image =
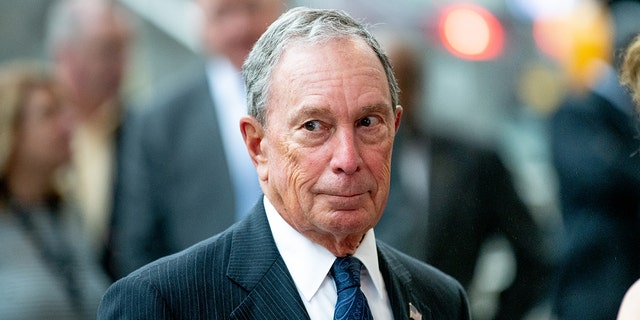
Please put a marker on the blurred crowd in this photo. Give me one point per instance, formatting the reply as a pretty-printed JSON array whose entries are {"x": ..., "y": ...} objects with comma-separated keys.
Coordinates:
[{"x": 95, "y": 183}]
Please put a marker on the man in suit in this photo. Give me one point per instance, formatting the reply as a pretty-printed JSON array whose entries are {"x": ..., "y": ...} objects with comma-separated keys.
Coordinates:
[
  {"x": 89, "y": 44},
  {"x": 323, "y": 112},
  {"x": 449, "y": 197},
  {"x": 594, "y": 143},
  {"x": 186, "y": 177}
]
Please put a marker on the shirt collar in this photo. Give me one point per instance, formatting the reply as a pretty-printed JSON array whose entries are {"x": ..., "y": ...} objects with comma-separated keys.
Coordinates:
[
  {"x": 309, "y": 263},
  {"x": 224, "y": 79}
]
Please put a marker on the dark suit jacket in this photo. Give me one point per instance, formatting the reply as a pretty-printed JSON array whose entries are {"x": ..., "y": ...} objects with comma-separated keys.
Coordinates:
[
  {"x": 595, "y": 153},
  {"x": 121, "y": 135},
  {"x": 175, "y": 187},
  {"x": 471, "y": 199},
  {"x": 239, "y": 274}
]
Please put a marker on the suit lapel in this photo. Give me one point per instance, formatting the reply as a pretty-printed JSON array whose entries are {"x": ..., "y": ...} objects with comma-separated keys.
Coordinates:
[
  {"x": 256, "y": 265},
  {"x": 399, "y": 287}
]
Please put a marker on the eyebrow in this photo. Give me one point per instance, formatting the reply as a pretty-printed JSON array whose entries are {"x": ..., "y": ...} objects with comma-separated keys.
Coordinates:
[
  {"x": 308, "y": 111},
  {"x": 380, "y": 107}
]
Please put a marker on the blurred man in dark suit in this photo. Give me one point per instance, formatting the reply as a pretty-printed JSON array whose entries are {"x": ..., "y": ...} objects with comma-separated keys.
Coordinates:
[
  {"x": 594, "y": 145},
  {"x": 89, "y": 43},
  {"x": 449, "y": 197},
  {"x": 186, "y": 177}
]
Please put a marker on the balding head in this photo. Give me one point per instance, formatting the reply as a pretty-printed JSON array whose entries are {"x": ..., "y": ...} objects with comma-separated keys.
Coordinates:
[
  {"x": 88, "y": 41},
  {"x": 231, "y": 27}
]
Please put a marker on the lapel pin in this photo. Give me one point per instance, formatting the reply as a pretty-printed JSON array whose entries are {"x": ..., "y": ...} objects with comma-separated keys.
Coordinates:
[{"x": 414, "y": 314}]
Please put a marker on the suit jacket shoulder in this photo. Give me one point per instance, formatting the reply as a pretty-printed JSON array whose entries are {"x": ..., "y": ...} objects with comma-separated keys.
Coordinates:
[
  {"x": 237, "y": 274},
  {"x": 411, "y": 282}
]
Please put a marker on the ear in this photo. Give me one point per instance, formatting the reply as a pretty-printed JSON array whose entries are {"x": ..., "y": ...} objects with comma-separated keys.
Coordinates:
[
  {"x": 398, "y": 116},
  {"x": 253, "y": 134}
]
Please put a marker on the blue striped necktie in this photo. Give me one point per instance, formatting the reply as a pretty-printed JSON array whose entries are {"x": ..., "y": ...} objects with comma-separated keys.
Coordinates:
[{"x": 352, "y": 304}]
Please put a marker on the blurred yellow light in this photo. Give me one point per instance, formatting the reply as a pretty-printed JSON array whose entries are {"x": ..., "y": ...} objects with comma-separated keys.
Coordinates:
[
  {"x": 579, "y": 41},
  {"x": 540, "y": 87}
]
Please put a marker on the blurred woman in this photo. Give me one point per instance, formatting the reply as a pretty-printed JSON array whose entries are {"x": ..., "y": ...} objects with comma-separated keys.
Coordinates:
[
  {"x": 44, "y": 271},
  {"x": 630, "y": 70}
]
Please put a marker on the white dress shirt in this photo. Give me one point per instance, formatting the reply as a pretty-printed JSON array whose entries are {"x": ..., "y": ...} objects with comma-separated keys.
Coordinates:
[
  {"x": 229, "y": 97},
  {"x": 309, "y": 264}
]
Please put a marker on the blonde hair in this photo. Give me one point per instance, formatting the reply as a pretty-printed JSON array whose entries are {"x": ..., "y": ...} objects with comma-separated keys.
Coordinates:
[
  {"x": 630, "y": 70},
  {"x": 17, "y": 80}
]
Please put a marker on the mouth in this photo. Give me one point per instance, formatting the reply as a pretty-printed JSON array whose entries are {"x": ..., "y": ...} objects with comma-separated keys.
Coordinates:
[
  {"x": 346, "y": 201},
  {"x": 345, "y": 195}
]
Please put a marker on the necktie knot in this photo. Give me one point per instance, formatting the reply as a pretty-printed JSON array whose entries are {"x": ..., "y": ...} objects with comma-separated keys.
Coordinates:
[{"x": 346, "y": 272}]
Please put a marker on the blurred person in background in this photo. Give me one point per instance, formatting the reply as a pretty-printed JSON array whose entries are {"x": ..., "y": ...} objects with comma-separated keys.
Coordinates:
[
  {"x": 630, "y": 77},
  {"x": 449, "y": 197},
  {"x": 595, "y": 153},
  {"x": 187, "y": 174},
  {"x": 630, "y": 70},
  {"x": 47, "y": 269},
  {"x": 88, "y": 41}
]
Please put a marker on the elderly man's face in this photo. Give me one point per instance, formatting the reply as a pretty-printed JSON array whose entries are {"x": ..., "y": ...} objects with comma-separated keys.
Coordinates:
[{"x": 326, "y": 151}]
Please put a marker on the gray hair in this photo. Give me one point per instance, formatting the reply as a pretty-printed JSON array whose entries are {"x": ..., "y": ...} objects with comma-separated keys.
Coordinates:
[
  {"x": 66, "y": 20},
  {"x": 305, "y": 25}
]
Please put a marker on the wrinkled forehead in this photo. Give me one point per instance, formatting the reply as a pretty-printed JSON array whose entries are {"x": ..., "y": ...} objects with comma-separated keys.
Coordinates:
[
  {"x": 345, "y": 48},
  {"x": 338, "y": 65}
]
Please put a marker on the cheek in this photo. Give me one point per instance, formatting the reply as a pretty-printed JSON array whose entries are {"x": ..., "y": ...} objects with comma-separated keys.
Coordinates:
[
  {"x": 36, "y": 144},
  {"x": 379, "y": 164},
  {"x": 289, "y": 166},
  {"x": 47, "y": 137},
  {"x": 297, "y": 170},
  {"x": 379, "y": 160},
  {"x": 383, "y": 177}
]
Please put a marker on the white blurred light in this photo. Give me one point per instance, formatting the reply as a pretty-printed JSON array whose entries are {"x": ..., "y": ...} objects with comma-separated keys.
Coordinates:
[{"x": 534, "y": 9}]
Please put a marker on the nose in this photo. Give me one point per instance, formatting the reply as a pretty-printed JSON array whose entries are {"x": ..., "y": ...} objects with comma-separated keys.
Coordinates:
[{"x": 346, "y": 153}]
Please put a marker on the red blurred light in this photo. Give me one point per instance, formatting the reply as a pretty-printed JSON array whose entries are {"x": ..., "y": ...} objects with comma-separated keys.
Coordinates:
[{"x": 470, "y": 32}]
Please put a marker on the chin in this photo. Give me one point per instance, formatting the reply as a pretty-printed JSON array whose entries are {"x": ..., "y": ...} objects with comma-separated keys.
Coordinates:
[{"x": 351, "y": 221}]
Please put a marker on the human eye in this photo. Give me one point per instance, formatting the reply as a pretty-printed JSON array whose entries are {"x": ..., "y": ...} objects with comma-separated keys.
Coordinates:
[
  {"x": 312, "y": 125},
  {"x": 312, "y": 133},
  {"x": 368, "y": 121},
  {"x": 371, "y": 128}
]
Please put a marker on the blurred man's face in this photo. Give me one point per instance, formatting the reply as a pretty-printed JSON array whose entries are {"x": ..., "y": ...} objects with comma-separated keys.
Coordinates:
[
  {"x": 231, "y": 27},
  {"x": 96, "y": 61},
  {"x": 328, "y": 138},
  {"x": 105, "y": 56}
]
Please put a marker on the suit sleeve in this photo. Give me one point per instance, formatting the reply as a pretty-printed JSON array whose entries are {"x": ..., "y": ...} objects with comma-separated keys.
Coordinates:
[
  {"x": 465, "y": 313},
  {"x": 133, "y": 298}
]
